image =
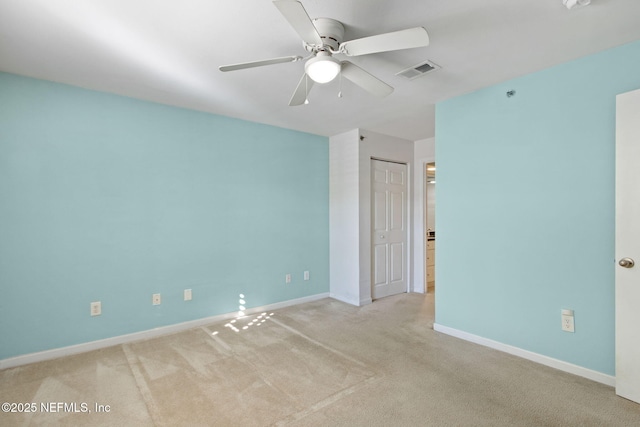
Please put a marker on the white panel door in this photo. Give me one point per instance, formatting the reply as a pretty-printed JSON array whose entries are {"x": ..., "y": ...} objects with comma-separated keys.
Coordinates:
[
  {"x": 388, "y": 228},
  {"x": 628, "y": 245}
]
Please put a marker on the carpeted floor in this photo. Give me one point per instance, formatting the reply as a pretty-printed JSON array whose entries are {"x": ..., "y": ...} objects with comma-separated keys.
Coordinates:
[{"x": 324, "y": 363}]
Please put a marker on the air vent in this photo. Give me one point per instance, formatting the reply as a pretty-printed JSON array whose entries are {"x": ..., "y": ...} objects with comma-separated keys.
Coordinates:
[{"x": 418, "y": 70}]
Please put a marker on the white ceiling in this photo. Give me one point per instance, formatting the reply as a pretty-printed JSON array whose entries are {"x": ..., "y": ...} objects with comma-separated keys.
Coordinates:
[{"x": 169, "y": 51}]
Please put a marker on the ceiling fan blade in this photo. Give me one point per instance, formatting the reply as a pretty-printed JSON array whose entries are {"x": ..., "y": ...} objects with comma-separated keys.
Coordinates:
[
  {"x": 302, "y": 90},
  {"x": 294, "y": 12},
  {"x": 254, "y": 64},
  {"x": 365, "y": 80},
  {"x": 397, "y": 40}
]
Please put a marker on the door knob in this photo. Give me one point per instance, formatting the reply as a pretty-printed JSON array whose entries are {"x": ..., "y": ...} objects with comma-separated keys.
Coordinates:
[{"x": 626, "y": 262}]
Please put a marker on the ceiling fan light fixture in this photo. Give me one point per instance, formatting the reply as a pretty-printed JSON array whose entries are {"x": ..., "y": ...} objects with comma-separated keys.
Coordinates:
[
  {"x": 323, "y": 68},
  {"x": 570, "y": 4}
]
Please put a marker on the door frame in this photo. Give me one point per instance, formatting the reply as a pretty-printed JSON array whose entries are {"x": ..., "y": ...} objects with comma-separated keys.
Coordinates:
[
  {"x": 420, "y": 224},
  {"x": 425, "y": 221},
  {"x": 408, "y": 227}
]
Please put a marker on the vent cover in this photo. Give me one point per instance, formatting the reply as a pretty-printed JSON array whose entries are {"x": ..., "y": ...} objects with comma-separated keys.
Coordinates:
[{"x": 418, "y": 70}]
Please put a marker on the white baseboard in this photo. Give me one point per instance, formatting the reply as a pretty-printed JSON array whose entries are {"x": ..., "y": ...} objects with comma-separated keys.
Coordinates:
[
  {"x": 529, "y": 355},
  {"x": 353, "y": 300},
  {"x": 40, "y": 356},
  {"x": 344, "y": 298}
]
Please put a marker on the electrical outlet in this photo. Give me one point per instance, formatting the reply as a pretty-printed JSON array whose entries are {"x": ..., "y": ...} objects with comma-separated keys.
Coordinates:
[
  {"x": 187, "y": 295},
  {"x": 287, "y": 278},
  {"x": 156, "y": 299},
  {"x": 568, "y": 321},
  {"x": 306, "y": 275},
  {"x": 96, "y": 308}
]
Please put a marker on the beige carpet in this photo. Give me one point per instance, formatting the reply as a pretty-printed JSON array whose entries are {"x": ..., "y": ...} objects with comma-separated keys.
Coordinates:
[{"x": 324, "y": 363}]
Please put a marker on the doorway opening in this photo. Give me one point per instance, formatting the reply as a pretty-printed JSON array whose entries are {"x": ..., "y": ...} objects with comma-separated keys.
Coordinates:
[{"x": 430, "y": 227}]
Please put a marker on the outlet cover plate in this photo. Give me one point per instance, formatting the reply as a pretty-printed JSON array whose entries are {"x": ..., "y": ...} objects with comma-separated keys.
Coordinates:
[
  {"x": 568, "y": 324},
  {"x": 96, "y": 308}
]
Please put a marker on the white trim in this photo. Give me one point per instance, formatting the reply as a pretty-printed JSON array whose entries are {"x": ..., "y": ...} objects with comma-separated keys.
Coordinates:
[
  {"x": 40, "y": 356},
  {"x": 423, "y": 153},
  {"x": 408, "y": 242},
  {"x": 366, "y": 301},
  {"x": 525, "y": 354},
  {"x": 353, "y": 300},
  {"x": 420, "y": 231}
]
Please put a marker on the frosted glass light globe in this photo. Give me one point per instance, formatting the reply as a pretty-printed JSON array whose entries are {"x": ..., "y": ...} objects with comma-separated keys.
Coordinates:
[{"x": 323, "y": 68}]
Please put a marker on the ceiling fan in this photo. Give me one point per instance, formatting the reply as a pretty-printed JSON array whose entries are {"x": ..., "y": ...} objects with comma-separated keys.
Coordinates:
[{"x": 322, "y": 38}]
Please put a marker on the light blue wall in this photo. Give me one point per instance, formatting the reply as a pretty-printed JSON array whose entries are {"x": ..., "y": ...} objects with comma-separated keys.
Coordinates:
[
  {"x": 526, "y": 208},
  {"x": 113, "y": 199}
]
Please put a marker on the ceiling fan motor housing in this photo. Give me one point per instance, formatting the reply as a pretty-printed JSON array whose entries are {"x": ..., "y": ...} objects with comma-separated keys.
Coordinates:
[{"x": 331, "y": 32}]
